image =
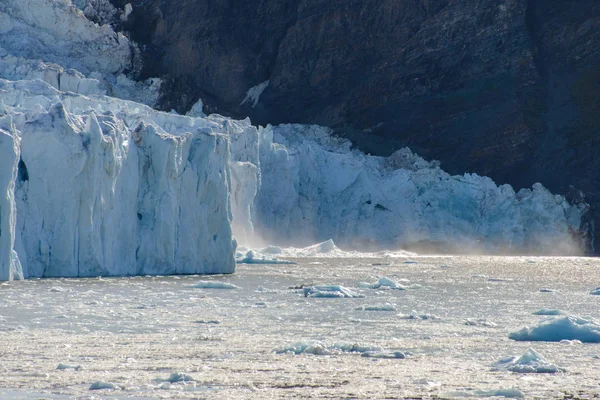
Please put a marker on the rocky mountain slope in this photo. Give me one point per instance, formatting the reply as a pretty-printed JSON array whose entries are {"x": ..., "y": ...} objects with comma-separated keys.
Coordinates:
[{"x": 509, "y": 89}]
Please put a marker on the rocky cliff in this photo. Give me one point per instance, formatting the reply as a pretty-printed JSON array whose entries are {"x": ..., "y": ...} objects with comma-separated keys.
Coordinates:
[{"x": 504, "y": 88}]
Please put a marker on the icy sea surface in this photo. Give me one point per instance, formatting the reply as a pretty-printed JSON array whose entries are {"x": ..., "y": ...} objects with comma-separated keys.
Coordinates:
[{"x": 440, "y": 333}]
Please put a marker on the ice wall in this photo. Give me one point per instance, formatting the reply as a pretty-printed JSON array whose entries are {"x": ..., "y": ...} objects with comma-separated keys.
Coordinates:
[
  {"x": 313, "y": 187},
  {"x": 10, "y": 267},
  {"x": 109, "y": 187}
]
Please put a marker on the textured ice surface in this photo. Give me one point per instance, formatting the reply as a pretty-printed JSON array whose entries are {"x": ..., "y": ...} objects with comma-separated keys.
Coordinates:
[
  {"x": 110, "y": 187},
  {"x": 314, "y": 187},
  {"x": 561, "y": 328},
  {"x": 530, "y": 362}
]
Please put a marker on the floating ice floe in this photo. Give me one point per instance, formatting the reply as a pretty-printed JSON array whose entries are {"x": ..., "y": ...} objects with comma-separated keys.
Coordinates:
[
  {"x": 62, "y": 366},
  {"x": 388, "y": 283},
  {"x": 384, "y": 354},
  {"x": 596, "y": 291},
  {"x": 328, "y": 249},
  {"x": 416, "y": 315},
  {"x": 214, "y": 285},
  {"x": 377, "y": 307},
  {"x": 99, "y": 385},
  {"x": 319, "y": 348},
  {"x": 480, "y": 322},
  {"x": 176, "y": 377},
  {"x": 549, "y": 311},
  {"x": 561, "y": 328},
  {"x": 255, "y": 257},
  {"x": 530, "y": 362},
  {"x": 330, "y": 291},
  {"x": 262, "y": 289}
]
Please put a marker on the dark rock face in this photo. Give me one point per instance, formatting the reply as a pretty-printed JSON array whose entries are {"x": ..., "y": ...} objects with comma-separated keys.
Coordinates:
[{"x": 504, "y": 88}]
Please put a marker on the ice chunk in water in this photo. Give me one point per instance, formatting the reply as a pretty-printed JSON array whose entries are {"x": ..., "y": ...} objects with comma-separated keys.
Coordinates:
[
  {"x": 562, "y": 328},
  {"x": 530, "y": 362},
  {"x": 330, "y": 291},
  {"x": 214, "y": 285}
]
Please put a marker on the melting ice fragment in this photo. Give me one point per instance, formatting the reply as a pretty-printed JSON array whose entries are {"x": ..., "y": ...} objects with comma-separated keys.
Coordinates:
[
  {"x": 99, "y": 385},
  {"x": 377, "y": 307},
  {"x": 530, "y": 362},
  {"x": 384, "y": 354},
  {"x": 255, "y": 257},
  {"x": 62, "y": 366},
  {"x": 480, "y": 322},
  {"x": 387, "y": 283},
  {"x": 330, "y": 291},
  {"x": 177, "y": 377},
  {"x": 558, "y": 329},
  {"x": 416, "y": 315},
  {"x": 214, "y": 285},
  {"x": 320, "y": 348}
]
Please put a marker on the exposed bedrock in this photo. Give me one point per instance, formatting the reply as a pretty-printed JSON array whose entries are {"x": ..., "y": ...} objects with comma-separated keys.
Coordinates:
[{"x": 508, "y": 89}]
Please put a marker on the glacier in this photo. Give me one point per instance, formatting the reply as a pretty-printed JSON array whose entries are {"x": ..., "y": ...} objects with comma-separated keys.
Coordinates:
[
  {"x": 104, "y": 190},
  {"x": 95, "y": 182},
  {"x": 314, "y": 187}
]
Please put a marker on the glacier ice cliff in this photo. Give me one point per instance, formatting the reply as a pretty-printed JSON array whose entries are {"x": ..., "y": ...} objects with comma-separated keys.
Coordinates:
[
  {"x": 101, "y": 188},
  {"x": 93, "y": 183},
  {"x": 313, "y": 187}
]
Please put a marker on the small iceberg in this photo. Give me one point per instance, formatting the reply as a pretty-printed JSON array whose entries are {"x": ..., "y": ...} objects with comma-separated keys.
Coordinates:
[
  {"x": 319, "y": 348},
  {"x": 480, "y": 322},
  {"x": 348, "y": 347},
  {"x": 558, "y": 329},
  {"x": 315, "y": 348},
  {"x": 102, "y": 385},
  {"x": 62, "y": 367},
  {"x": 386, "y": 283},
  {"x": 377, "y": 307},
  {"x": 530, "y": 362},
  {"x": 418, "y": 316},
  {"x": 176, "y": 377},
  {"x": 255, "y": 257},
  {"x": 384, "y": 354},
  {"x": 330, "y": 291},
  {"x": 262, "y": 289},
  {"x": 214, "y": 285}
]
